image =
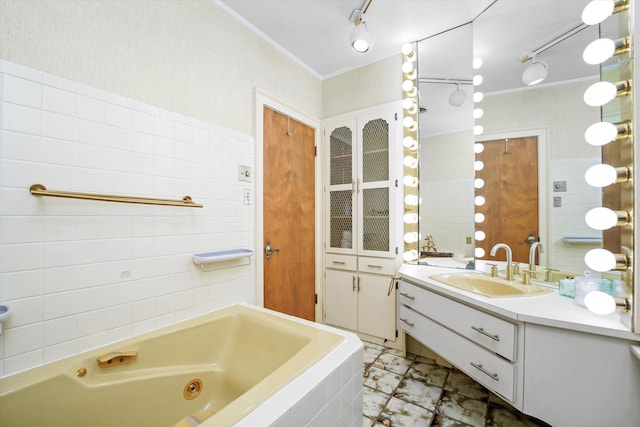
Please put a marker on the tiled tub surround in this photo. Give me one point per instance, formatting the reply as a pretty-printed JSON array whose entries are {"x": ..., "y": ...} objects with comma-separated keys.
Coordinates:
[
  {"x": 425, "y": 391},
  {"x": 81, "y": 274},
  {"x": 313, "y": 377}
]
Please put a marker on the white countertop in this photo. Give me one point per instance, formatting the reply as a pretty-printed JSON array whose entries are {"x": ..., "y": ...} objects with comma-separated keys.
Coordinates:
[{"x": 550, "y": 309}]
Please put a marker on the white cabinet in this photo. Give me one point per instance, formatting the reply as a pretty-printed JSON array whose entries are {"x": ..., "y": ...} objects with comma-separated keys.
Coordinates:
[
  {"x": 484, "y": 346},
  {"x": 362, "y": 193}
]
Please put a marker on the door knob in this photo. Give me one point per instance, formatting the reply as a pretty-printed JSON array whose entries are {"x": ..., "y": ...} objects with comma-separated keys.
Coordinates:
[{"x": 270, "y": 249}]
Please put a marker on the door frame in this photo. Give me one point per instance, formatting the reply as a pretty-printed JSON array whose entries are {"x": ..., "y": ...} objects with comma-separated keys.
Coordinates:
[
  {"x": 543, "y": 172},
  {"x": 265, "y": 100}
]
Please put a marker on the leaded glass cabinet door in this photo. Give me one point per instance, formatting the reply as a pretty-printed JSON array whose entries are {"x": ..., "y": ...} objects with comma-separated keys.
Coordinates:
[
  {"x": 342, "y": 236},
  {"x": 375, "y": 186}
]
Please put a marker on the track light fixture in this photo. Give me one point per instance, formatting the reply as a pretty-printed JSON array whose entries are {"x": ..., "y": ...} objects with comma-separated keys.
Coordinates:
[
  {"x": 361, "y": 39},
  {"x": 535, "y": 73}
]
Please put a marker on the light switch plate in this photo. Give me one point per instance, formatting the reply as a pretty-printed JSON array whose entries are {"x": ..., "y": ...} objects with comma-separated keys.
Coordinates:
[
  {"x": 248, "y": 196},
  {"x": 244, "y": 173},
  {"x": 557, "y": 202}
]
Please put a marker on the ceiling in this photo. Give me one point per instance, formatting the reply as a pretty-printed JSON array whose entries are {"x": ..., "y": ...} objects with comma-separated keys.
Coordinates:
[{"x": 316, "y": 33}]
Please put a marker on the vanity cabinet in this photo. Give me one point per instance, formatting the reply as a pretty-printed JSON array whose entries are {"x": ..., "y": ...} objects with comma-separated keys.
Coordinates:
[
  {"x": 484, "y": 346},
  {"x": 362, "y": 192}
]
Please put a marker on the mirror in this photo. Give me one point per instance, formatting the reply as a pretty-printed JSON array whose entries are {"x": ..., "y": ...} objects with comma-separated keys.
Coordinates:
[{"x": 553, "y": 112}]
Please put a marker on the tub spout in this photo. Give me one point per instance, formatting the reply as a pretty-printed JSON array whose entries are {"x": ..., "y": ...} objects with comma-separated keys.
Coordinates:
[{"x": 116, "y": 358}]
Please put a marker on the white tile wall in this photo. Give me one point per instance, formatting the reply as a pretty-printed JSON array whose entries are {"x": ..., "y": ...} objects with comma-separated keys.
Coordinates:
[{"x": 81, "y": 274}]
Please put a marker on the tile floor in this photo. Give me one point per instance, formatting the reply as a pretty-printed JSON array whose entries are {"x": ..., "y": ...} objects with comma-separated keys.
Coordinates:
[{"x": 418, "y": 391}]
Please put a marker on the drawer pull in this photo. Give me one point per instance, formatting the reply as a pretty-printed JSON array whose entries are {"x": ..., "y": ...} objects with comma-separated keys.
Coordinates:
[
  {"x": 338, "y": 262},
  {"x": 374, "y": 266},
  {"x": 479, "y": 367},
  {"x": 485, "y": 333},
  {"x": 406, "y": 295},
  {"x": 407, "y": 322}
]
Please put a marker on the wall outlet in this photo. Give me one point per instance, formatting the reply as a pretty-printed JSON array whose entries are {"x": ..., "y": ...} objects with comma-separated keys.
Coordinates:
[
  {"x": 559, "y": 186},
  {"x": 244, "y": 173}
]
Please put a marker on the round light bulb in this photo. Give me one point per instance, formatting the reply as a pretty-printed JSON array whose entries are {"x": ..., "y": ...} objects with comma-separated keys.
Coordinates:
[
  {"x": 478, "y": 113},
  {"x": 410, "y": 256},
  {"x": 408, "y": 122},
  {"x": 599, "y": 94},
  {"x": 601, "y": 176},
  {"x": 477, "y": 63},
  {"x": 410, "y": 181},
  {"x": 411, "y": 237},
  {"x": 480, "y": 235},
  {"x": 600, "y": 260},
  {"x": 407, "y": 67},
  {"x": 478, "y": 96},
  {"x": 408, "y": 103},
  {"x": 478, "y": 165},
  {"x": 410, "y": 218},
  {"x": 410, "y": 143},
  {"x": 412, "y": 74},
  {"x": 407, "y": 85},
  {"x": 478, "y": 147},
  {"x": 598, "y": 51},
  {"x": 478, "y": 130},
  {"x": 597, "y": 11},
  {"x": 479, "y": 252},
  {"x": 600, "y": 303},
  {"x": 601, "y": 133},
  {"x": 479, "y": 201},
  {"x": 478, "y": 218},
  {"x": 406, "y": 48},
  {"x": 410, "y": 162},
  {"x": 411, "y": 200},
  {"x": 601, "y": 218},
  {"x": 478, "y": 183},
  {"x": 477, "y": 80}
]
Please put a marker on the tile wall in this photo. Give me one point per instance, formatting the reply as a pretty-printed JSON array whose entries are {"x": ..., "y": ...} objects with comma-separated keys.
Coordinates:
[{"x": 80, "y": 274}]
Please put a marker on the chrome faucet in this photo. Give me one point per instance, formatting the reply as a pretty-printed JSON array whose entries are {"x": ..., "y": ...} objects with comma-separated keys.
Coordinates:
[
  {"x": 507, "y": 249},
  {"x": 532, "y": 254}
]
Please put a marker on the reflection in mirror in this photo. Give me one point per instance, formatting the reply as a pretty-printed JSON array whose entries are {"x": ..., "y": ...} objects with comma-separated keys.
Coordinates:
[{"x": 527, "y": 134}]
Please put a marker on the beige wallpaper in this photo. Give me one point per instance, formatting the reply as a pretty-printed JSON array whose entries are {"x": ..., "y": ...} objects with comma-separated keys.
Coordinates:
[{"x": 186, "y": 56}]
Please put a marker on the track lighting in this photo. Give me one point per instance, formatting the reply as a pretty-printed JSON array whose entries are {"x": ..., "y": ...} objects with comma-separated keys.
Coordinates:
[
  {"x": 361, "y": 39},
  {"x": 458, "y": 97},
  {"x": 535, "y": 73}
]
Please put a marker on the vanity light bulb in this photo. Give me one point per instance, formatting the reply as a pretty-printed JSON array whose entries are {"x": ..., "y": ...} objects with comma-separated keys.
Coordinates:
[
  {"x": 601, "y": 133},
  {"x": 478, "y": 218},
  {"x": 601, "y": 218},
  {"x": 599, "y": 94},
  {"x": 477, "y": 80},
  {"x": 601, "y": 176},
  {"x": 477, "y": 63},
  {"x": 479, "y": 253},
  {"x": 407, "y": 67},
  {"x": 478, "y": 113},
  {"x": 478, "y": 130},
  {"x": 410, "y": 181},
  {"x": 478, "y": 96},
  {"x": 411, "y": 237},
  {"x": 478, "y": 183},
  {"x": 597, "y": 11},
  {"x": 412, "y": 74},
  {"x": 600, "y": 303},
  {"x": 599, "y": 51},
  {"x": 410, "y": 105},
  {"x": 478, "y": 165},
  {"x": 410, "y": 162},
  {"x": 408, "y": 122},
  {"x": 411, "y": 200},
  {"x": 479, "y": 201},
  {"x": 600, "y": 260},
  {"x": 407, "y": 85},
  {"x": 410, "y": 218},
  {"x": 478, "y": 147},
  {"x": 480, "y": 235},
  {"x": 410, "y": 256},
  {"x": 410, "y": 143},
  {"x": 406, "y": 48}
]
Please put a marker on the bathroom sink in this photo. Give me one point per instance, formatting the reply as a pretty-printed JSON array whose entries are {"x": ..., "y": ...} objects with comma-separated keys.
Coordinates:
[{"x": 489, "y": 286}]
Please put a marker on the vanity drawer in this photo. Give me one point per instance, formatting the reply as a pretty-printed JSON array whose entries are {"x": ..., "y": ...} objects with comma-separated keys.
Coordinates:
[
  {"x": 386, "y": 266},
  {"x": 494, "y": 334},
  {"x": 492, "y": 371},
  {"x": 341, "y": 262}
]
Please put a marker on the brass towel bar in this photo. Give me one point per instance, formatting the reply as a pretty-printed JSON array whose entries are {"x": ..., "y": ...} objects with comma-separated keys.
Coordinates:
[{"x": 41, "y": 190}]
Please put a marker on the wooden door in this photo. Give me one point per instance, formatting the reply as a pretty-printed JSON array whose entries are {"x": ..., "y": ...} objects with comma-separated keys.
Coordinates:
[
  {"x": 289, "y": 215},
  {"x": 510, "y": 191}
]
